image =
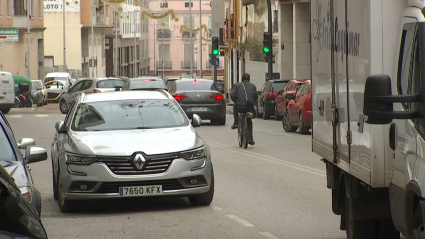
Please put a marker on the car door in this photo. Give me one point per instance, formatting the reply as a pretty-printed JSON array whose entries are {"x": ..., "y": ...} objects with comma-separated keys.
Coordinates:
[
  {"x": 295, "y": 104},
  {"x": 73, "y": 92},
  {"x": 280, "y": 99},
  {"x": 262, "y": 96},
  {"x": 86, "y": 87}
]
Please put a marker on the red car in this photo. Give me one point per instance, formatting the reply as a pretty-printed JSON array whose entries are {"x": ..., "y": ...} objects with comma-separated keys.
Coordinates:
[
  {"x": 281, "y": 102},
  {"x": 298, "y": 114}
]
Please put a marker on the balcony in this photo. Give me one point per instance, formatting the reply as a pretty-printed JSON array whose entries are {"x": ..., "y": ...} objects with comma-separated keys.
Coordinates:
[
  {"x": 20, "y": 22},
  {"x": 168, "y": 65},
  {"x": 186, "y": 65},
  {"x": 163, "y": 33},
  {"x": 186, "y": 34}
]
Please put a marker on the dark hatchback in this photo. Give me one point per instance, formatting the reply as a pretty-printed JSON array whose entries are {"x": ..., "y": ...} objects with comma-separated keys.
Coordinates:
[
  {"x": 144, "y": 84},
  {"x": 201, "y": 97},
  {"x": 17, "y": 165}
]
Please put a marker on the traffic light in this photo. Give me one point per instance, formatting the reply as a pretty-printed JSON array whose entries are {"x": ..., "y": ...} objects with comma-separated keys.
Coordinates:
[
  {"x": 215, "y": 50},
  {"x": 267, "y": 42}
]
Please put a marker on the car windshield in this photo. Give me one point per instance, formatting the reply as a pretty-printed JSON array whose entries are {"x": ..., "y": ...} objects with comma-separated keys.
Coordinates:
[
  {"x": 5, "y": 147},
  {"x": 128, "y": 115},
  {"x": 61, "y": 79},
  {"x": 276, "y": 86},
  {"x": 170, "y": 82},
  {"x": 147, "y": 84},
  {"x": 34, "y": 86},
  {"x": 196, "y": 85},
  {"x": 111, "y": 83},
  {"x": 55, "y": 84}
]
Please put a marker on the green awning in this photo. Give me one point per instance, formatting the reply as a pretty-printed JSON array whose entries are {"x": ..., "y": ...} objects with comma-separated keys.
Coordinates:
[{"x": 21, "y": 79}]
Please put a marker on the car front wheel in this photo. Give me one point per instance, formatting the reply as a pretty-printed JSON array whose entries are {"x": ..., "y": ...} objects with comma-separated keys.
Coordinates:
[
  {"x": 65, "y": 205},
  {"x": 63, "y": 107},
  {"x": 204, "y": 199}
]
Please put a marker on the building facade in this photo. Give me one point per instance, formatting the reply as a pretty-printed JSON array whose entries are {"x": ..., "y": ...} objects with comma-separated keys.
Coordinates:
[
  {"x": 169, "y": 34},
  {"x": 14, "y": 38}
]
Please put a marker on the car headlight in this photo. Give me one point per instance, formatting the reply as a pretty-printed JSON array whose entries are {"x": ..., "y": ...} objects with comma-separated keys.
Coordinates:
[
  {"x": 26, "y": 193},
  {"x": 80, "y": 159},
  {"x": 194, "y": 154}
]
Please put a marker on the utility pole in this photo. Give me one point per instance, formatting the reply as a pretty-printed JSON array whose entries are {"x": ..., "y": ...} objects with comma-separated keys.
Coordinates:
[
  {"x": 213, "y": 34},
  {"x": 29, "y": 38},
  {"x": 135, "y": 46},
  {"x": 163, "y": 50},
  {"x": 64, "y": 34},
  {"x": 93, "y": 52},
  {"x": 154, "y": 48},
  {"x": 270, "y": 55},
  {"x": 116, "y": 41},
  {"x": 200, "y": 36},
  {"x": 191, "y": 38}
]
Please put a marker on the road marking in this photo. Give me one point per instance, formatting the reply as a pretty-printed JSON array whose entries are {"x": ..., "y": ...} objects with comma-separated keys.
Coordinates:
[
  {"x": 268, "y": 235},
  {"x": 272, "y": 160},
  {"x": 41, "y": 116},
  {"x": 63, "y": 115},
  {"x": 240, "y": 221},
  {"x": 215, "y": 208},
  {"x": 15, "y": 116}
]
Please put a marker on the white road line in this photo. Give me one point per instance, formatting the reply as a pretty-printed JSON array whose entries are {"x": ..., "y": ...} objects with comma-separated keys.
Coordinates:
[
  {"x": 240, "y": 221},
  {"x": 268, "y": 235},
  {"x": 41, "y": 116},
  {"x": 215, "y": 208},
  {"x": 15, "y": 116},
  {"x": 63, "y": 115},
  {"x": 299, "y": 167}
]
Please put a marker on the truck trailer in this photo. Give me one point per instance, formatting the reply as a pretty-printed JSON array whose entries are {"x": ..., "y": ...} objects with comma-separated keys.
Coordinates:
[{"x": 368, "y": 112}]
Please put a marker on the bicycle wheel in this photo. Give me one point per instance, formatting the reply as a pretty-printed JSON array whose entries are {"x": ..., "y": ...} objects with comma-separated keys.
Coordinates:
[
  {"x": 245, "y": 134},
  {"x": 240, "y": 132}
]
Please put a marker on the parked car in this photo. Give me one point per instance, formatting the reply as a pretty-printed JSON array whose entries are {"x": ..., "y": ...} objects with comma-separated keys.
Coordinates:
[
  {"x": 144, "y": 83},
  {"x": 88, "y": 85},
  {"x": 55, "y": 89},
  {"x": 201, "y": 97},
  {"x": 129, "y": 144},
  {"x": 281, "y": 101},
  {"x": 17, "y": 165},
  {"x": 39, "y": 93},
  {"x": 298, "y": 114},
  {"x": 18, "y": 218},
  {"x": 266, "y": 97},
  {"x": 63, "y": 77},
  {"x": 170, "y": 81}
]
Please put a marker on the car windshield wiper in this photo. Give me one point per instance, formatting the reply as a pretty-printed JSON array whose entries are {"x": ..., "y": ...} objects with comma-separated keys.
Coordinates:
[{"x": 129, "y": 128}]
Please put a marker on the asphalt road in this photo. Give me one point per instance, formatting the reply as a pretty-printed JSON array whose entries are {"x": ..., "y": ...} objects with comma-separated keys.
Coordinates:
[{"x": 275, "y": 189}]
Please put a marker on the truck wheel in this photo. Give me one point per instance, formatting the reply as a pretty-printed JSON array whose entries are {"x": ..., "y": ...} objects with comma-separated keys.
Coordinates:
[
  {"x": 5, "y": 110},
  {"x": 357, "y": 229},
  {"x": 419, "y": 229}
]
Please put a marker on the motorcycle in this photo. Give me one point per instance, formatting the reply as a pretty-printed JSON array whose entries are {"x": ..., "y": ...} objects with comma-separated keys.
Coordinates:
[{"x": 23, "y": 97}]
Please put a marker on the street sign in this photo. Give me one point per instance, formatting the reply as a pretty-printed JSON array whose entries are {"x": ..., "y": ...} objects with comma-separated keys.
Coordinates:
[
  {"x": 217, "y": 61},
  {"x": 8, "y": 34}
]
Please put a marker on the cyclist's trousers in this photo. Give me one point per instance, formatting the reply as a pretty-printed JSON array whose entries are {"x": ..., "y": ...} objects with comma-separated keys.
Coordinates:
[{"x": 249, "y": 108}]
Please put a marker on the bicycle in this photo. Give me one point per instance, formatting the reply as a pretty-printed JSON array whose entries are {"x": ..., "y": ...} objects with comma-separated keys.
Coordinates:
[{"x": 243, "y": 132}]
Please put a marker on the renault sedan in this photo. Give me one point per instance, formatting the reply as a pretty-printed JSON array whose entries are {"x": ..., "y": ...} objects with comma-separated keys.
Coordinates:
[{"x": 129, "y": 144}]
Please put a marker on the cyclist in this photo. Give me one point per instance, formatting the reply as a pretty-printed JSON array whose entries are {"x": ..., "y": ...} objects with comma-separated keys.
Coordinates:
[{"x": 244, "y": 94}]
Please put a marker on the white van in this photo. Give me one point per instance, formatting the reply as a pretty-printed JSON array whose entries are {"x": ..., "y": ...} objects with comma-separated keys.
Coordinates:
[
  {"x": 63, "y": 77},
  {"x": 7, "y": 92}
]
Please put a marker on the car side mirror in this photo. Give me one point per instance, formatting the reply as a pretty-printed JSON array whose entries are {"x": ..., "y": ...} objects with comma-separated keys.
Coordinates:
[
  {"x": 290, "y": 96},
  {"x": 60, "y": 127},
  {"x": 196, "y": 120},
  {"x": 25, "y": 142},
  {"x": 35, "y": 154},
  {"x": 378, "y": 101}
]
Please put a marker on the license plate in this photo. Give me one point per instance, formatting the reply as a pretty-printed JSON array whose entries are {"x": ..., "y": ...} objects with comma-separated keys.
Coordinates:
[
  {"x": 137, "y": 191},
  {"x": 198, "y": 109}
]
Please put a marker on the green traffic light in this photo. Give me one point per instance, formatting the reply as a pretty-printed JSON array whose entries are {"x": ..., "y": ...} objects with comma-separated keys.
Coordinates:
[
  {"x": 215, "y": 52},
  {"x": 266, "y": 50}
]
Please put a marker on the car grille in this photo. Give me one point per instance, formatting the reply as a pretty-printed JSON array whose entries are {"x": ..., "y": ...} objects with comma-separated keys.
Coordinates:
[
  {"x": 113, "y": 187},
  {"x": 154, "y": 164}
]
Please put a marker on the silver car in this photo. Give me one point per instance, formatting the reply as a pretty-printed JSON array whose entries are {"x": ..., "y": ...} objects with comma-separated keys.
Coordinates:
[
  {"x": 87, "y": 86},
  {"x": 129, "y": 144}
]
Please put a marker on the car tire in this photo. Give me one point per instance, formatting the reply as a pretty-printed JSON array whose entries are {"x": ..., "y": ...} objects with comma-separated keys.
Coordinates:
[
  {"x": 63, "y": 107},
  {"x": 286, "y": 125},
  {"x": 46, "y": 101},
  {"x": 276, "y": 115},
  {"x": 37, "y": 202},
  {"x": 222, "y": 121},
  {"x": 303, "y": 129},
  {"x": 266, "y": 114},
  {"x": 204, "y": 199},
  {"x": 258, "y": 112},
  {"x": 65, "y": 205},
  {"x": 5, "y": 110},
  {"x": 55, "y": 186}
]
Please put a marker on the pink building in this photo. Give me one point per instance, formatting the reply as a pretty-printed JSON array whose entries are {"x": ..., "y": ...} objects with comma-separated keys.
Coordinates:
[{"x": 169, "y": 42}]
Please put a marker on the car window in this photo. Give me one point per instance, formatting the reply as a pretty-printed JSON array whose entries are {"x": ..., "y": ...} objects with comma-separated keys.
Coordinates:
[
  {"x": 64, "y": 80},
  {"x": 109, "y": 83},
  {"x": 146, "y": 84},
  {"x": 298, "y": 86},
  {"x": 86, "y": 85},
  {"x": 54, "y": 85},
  {"x": 276, "y": 86},
  {"x": 76, "y": 87},
  {"x": 195, "y": 85},
  {"x": 127, "y": 115},
  {"x": 6, "y": 150},
  {"x": 300, "y": 91}
]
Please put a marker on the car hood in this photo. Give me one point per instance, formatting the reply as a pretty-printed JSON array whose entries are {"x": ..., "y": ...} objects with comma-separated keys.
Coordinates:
[
  {"x": 126, "y": 142},
  {"x": 17, "y": 171}
]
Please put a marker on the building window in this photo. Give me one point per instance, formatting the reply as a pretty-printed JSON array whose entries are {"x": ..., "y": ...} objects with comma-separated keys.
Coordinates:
[
  {"x": 186, "y": 4},
  {"x": 1, "y": 8},
  {"x": 32, "y": 9},
  {"x": 188, "y": 51},
  {"x": 164, "y": 5},
  {"x": 164, "y": 54},
  {"x": 9, "y": 8},
  {"x": 107, "y": 10},
  {"x": 40, "y": 8},
  {"x": 186, "y": 21}
]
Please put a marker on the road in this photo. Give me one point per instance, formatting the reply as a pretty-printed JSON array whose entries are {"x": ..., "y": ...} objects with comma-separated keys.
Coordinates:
[{"x": 275, "y": 189}]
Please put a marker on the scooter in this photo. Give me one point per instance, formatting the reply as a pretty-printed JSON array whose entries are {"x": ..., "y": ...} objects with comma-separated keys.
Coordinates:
[{"x": 23, "y": 97}]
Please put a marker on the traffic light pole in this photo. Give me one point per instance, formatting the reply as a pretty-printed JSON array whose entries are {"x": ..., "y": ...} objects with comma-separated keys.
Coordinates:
[{"x": 270, "y": 54}]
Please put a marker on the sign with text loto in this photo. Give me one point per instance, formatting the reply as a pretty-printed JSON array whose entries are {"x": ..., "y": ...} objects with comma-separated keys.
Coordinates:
[{"x": 57, "y": 6}]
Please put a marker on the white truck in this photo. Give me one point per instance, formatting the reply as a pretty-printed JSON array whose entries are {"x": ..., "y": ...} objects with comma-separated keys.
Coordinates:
[{"x": 368, "y": 112}]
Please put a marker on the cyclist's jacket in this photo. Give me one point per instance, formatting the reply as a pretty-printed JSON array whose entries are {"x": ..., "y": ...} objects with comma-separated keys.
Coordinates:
[{"x": 242, "y": 95}]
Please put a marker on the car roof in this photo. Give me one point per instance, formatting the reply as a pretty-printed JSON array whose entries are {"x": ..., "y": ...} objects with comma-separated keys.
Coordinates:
[
  {"x": 147, "y": 77},
  {"x": 53, "y": 74},
  {"x": 276, "y": 81},
  {"x": 188, "y": 79},
  {"x": 125, "y": 95},
  {"x": 5, "y": 73}
]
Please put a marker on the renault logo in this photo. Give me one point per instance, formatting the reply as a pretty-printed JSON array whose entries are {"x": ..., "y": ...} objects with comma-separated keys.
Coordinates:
[
  {"x": 139, "y": 161},
  {"x": 199, "y": 96}
]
